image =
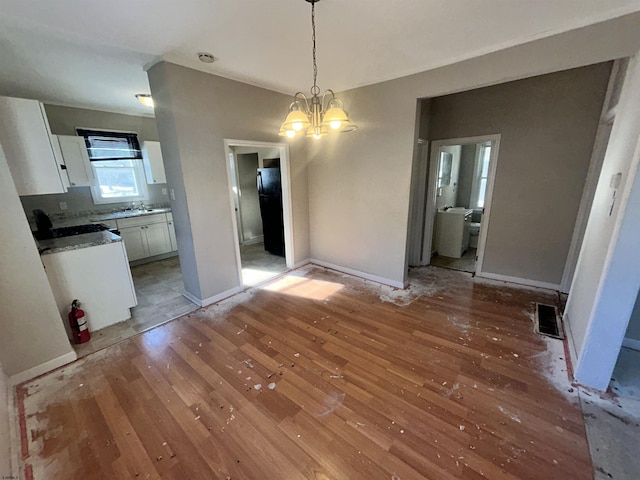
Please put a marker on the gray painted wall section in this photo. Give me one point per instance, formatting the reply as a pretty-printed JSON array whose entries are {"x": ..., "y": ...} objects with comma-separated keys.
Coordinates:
[
  {"x": 249, "y": 202},
  {"x": 607, "y": 277},
  {"x": 633, "y": 330},
  {"x": 547, "y": 126},
  {"x": 31, "y": 330},
  {"x": 359, "y": 182},
  {"x": 195, "y": 112},
  {"x": 465, "y": 178}
]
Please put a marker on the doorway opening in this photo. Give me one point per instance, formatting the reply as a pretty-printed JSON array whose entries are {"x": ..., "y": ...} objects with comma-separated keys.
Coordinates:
[
  {"x": 455, "y": 217},
  {"x": 260, "y": 186}
]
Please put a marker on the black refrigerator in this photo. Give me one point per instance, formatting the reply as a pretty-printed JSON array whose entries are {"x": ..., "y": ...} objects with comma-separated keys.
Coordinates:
[{"x": 270, "y": 195}]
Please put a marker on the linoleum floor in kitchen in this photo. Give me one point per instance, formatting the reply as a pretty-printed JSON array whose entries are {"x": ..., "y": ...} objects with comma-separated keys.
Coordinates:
[{"x": 159, "y": 290}]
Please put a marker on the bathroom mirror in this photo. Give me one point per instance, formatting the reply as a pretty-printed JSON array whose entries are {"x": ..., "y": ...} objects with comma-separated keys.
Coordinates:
[{"x": 444, "y": 169}]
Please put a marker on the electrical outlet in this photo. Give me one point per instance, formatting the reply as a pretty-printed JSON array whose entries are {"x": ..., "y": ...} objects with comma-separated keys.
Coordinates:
[
  {"x": 173, "y": 194},
  {"x": 63, "y": 205},
  {"x": 164, "y": 191}
]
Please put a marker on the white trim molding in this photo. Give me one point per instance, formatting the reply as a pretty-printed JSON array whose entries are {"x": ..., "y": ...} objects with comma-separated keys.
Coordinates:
[
  {"x": 301, "y": 263},
  {"x": 43, "y": 368},
  {"x": 357, "y": 273},
  {"x": 520, "y": 281},
  {"x": 213, "y": 299}
]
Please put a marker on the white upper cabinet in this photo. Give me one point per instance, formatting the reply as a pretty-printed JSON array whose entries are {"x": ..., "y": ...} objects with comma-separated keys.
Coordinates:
[
  {"x": 153, "y": 163},
  {"x": 32, "y": 153},
  {"x": 76, "y": 158}
]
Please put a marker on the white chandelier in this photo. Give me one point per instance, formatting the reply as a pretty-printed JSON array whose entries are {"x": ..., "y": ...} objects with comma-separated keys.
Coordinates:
[{"x": 319, "y": 115}]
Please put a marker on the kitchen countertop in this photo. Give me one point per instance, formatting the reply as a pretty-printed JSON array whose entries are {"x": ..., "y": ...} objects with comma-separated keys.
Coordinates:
[
  {"x": 63, "y": 244},
  {"x": 127, "y": 214},
  {"x": 103, "y": 217}
]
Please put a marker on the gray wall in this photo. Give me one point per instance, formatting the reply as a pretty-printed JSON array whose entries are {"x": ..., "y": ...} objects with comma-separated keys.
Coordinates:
[
  {"x": 633, "y": 330},
  {"x": 31, "y": 330},
  {"x": 465, "y": 177},
  {"x": 547, "y": 126},
  {"x": 249, "y": 202},
  {"x": 359, "y": 182},
  {"x": 195, "y": 112},
  {"x": 64, "y": 121}
]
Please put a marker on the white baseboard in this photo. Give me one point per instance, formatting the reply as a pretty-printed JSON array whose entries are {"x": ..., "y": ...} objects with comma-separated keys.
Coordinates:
[
  {"x": 301, "y": 263},
  {"x": 253, "y": 241},
  {"x": 631, "y": 343},
  {"x": 520, "y": 281},
  {"x": 43, "y": 368},
  {"x": 566, "y": 324},
  {"x": 216, "y": 298},
  {"x": 357, "y": 273}
]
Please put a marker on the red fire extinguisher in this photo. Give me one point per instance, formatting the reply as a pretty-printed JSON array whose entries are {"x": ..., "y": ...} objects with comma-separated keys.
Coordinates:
[{"x": 78, "y": 324}]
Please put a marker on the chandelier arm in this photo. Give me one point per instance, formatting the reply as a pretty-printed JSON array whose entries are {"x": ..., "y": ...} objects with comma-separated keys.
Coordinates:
[
  {"x": 324, "y": 95},
  {"x": 301, "y": 99}
]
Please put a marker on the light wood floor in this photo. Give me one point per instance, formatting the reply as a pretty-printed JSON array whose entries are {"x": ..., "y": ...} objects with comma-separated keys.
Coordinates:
[{"x": 317, "y": 376}]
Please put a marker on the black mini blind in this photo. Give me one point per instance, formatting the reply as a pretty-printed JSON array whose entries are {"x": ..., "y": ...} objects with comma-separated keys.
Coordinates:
[{"x": 111, "y": 145}]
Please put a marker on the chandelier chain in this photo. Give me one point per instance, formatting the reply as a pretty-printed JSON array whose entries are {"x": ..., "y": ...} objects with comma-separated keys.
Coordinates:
[{"x": 314, "y": 89}]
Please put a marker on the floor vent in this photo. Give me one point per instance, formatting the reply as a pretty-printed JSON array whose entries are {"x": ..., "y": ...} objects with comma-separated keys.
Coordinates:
[{"x": 548, "y": 321}]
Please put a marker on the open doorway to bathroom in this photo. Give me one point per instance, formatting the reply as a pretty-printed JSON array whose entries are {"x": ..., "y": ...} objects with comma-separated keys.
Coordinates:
[
  {"x": 259, "y": 178},
  {"x": 459, "y": 187}
]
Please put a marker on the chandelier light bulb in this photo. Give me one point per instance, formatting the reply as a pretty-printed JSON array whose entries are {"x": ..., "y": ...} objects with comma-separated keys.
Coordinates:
[{"x": 316, "y": 115}]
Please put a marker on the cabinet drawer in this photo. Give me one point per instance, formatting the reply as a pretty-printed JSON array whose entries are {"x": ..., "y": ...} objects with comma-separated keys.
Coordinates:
[{"x": 141, "y": 220}]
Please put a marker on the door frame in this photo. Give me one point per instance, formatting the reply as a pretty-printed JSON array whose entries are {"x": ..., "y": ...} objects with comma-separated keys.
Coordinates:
[
  {"x": 430, "y": 210},
  {"x": 287, "y": 207}
]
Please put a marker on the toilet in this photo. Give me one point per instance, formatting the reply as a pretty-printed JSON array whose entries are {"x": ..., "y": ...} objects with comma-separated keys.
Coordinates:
[{"x": 474, "y": 234}]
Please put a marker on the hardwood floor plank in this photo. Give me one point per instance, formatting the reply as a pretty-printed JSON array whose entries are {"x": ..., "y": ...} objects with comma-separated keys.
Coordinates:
[{"x": 319, "y": 376}]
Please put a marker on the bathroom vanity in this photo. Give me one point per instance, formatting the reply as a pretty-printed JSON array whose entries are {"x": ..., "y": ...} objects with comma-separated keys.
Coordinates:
[{"x": 451, "y": 238}]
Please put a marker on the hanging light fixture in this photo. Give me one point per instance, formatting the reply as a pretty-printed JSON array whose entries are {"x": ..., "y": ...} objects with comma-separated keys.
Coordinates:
[
  {"x": 145, "y": 99},
  {"x": 316, "y": 116}
]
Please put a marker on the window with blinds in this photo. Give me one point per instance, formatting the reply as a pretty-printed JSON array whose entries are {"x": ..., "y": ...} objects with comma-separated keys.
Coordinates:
[{"x": 116, "y": 161}]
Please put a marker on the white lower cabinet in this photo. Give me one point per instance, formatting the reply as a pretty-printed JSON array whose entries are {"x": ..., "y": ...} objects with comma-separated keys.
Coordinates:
[
  {"x": 135, "y": 241},
  {"x": 172, "y": 232},
  {"x": 99, "y": 277},
  {"x": 158, "y": 238},
  {"x": 145, "y": 236}
]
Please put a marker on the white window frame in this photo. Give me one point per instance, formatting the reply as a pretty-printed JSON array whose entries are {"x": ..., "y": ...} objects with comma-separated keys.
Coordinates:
[
  {"x": 141, "y": 184},
  {"x": 477, "y": 176},
  {"x": 139, "y": 175}
]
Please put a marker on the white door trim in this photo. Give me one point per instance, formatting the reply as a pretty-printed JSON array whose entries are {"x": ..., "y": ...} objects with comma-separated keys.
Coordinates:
[
  {"x": 287, "y": 207},
  {"x": 431, "y": 193}
]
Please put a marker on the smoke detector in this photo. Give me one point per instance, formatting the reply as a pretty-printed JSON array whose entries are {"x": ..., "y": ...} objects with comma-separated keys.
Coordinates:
[{"x": 205, "y": 57}]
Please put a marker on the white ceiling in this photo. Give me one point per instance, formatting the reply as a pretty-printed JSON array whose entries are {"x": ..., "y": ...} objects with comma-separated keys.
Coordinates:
[{"x": 92, "y": 54}]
